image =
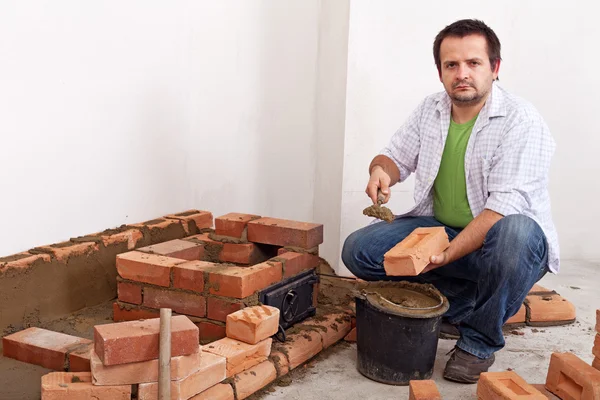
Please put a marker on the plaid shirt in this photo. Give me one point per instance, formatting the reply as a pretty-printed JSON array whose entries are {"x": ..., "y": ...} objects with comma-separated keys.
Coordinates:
[{"x": 506, "y": 162}]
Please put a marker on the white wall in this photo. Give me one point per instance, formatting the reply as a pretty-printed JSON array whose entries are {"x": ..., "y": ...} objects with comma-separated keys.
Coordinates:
[
  {"x": 118, "y": 112},
  {"x": 549, "y": 58}
]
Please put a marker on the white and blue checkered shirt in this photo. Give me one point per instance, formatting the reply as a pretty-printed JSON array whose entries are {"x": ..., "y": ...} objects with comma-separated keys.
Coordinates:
[{"x": 507, "y": 159}]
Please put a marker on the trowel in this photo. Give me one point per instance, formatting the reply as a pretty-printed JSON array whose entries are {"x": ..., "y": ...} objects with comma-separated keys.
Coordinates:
[{"x": 378, "y": 211}]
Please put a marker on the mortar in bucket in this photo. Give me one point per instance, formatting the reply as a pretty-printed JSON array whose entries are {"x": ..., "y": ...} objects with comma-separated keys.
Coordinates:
[{"x": 397, "y": 327}]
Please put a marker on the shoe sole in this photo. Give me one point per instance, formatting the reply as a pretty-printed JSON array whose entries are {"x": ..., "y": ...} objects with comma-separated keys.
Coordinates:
[
  {"x": 461, "y": 379},
  {"x": 448, "y": 336}
]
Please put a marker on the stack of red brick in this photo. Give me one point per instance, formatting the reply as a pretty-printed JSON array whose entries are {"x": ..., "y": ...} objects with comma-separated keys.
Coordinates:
[{"x": 212, "y": 274}]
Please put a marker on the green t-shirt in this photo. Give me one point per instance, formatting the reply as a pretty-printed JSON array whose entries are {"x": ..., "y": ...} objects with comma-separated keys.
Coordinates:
[{"x": 450, "y": 203}]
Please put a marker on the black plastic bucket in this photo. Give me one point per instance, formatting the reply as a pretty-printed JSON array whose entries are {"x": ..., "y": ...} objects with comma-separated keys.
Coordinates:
[{"x": 397, "y": 342}]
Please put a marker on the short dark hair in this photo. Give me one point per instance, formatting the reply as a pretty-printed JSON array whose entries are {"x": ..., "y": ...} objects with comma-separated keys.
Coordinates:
[{"x": 466, "y": 27}]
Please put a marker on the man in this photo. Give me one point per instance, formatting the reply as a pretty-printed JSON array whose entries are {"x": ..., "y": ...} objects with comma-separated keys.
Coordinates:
[{"x": 481, "y": 158}]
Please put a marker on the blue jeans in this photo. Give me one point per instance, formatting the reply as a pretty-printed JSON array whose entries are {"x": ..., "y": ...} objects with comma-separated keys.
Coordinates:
[{"x": 484, "y": 288}]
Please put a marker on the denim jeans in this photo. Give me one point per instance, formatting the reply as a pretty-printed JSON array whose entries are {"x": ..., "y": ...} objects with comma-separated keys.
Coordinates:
[{"x": 484, "y": 288}]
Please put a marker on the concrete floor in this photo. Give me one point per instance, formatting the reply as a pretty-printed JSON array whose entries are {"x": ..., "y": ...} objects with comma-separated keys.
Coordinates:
[{"x": 334, "y": 374}]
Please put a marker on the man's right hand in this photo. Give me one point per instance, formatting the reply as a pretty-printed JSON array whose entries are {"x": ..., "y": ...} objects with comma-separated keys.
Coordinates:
[{"x": 379, "y": 180}]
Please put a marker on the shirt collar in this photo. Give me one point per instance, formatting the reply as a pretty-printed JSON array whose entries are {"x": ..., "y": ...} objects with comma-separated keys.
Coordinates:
[{"x": 495, "y": 105}]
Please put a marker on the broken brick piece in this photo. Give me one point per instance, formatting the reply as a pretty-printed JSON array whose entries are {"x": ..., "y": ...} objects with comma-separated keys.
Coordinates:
[
  {"x": 254, "y": 379},
  {"x": 79, "y": 357},
  {"x": 129, "y": 292},
  {"x": 135, "y": 341},
  {"x": 423, "y": 390},
  {"x": 176, "y": 248},
  {"x": 193, "y": 220},
  {"x": 240, "y": 282},
  {"x": 283, "y": 232},
  {"x": 571, "y": 378},
  {"x": 253, "y": 324},
  {"x": 210, "y": 373},
  {"x": 218, "y": 308},
  {"x": 549, "y": 310},
  {"x": 411, "y": 255},
  {"x": 179, "y": 302},
  {"x": 127, "y": 312},
  {"x": 78, "y": 386},
  {"x": 147, "y": 268},
  {"x": 519, "y": 317},
  {"x": 221, "y": 391},
  {"x": 506, "y": 385},
  {"x": 301, "y": 347},
  {"x": 596, "y": 348},
  {"x": 143, "y": 371},
  {"x": 295, "y": 263},
  {"x": 240, "y": 356},
  {"x": 233, "y": 224},
  {"x": 41, "y": 347},
  {"x": 351, "y": 337}
]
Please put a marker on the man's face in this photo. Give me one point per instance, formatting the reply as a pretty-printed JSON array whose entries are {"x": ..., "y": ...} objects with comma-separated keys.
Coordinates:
[{"x": 465, "y": 69}]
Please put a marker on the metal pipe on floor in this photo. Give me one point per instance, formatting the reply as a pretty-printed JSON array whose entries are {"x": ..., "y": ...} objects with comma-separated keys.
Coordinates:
[{"x": 164, "y": 355}]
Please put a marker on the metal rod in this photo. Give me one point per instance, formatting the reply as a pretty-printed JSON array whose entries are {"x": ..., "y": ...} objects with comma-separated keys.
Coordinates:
[{"x": 164, "y": 355}]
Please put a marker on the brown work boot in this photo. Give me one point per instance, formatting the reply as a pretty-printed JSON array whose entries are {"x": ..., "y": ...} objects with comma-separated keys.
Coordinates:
[
  {"x": 465, "y": 367},
  {"x": 449, "y": 331}
]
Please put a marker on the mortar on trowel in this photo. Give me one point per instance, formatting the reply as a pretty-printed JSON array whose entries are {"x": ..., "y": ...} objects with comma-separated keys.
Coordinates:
[
  {"x": 378, "y": 211},
  {"x": 397, "y": 327}
]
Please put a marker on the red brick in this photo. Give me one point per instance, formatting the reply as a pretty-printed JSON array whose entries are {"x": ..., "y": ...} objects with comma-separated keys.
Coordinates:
[
  {"x": 193, "y": 220},
  {"x": 212, "y": 248},
  {"x": 569, "y": 377},
  {"x": 351, "y": 337},
  {"x": 66, "y": 250},
  {"x": 549, "y": 308},
  {"x": 221, "y": 391},
  {"x": 282, "y": 232},
  {"x": 519, "y": 317},
  {"x": 280, "y": 361},
  {"x": 41, "y": 347},
  {"x": 240, "y": 282},
  {"x": 253, "y": 324},
  {"x": 126, "y": 312},
  {"x": 333, "y": 327},
  {"x": 130, "y": 236},
  {"x": 301, "y": 347},
  {"x": 538, "y": 289},
  {"x": 596, "y": 363},
  {"x": 240, "y": 356},
  {"x": 190, "y": 275},
  {"x": 211, "y": 372},
  {"x": 423, "y": 390},
  {"x": 219, "y": 308},
  {"x": 542, "y": 389},
  {"x": 294, "y": 263},
  {"x": 135, "y": 341},
  {"x": 146, "y": 268},
  {"x": 506, "y": 385},
  {"x": 243, "y": 253},
  {"x": 79, "y": 358},
  {"x": 596, "y": 348},
  {"x": 22, "y": 261},
  {"x": 598, "y": 321},
  {"x": 142, "y": 372},
  {"x": 210, "y": 332},
  {"x": 254, "y": 379},
  {"x": 411, "y": 255},
  {"x": 129, "y": 292},
  {"x": 176, "y": 248},
  {"x": 78, "y": 386},
  {"x": 178, "y": 301},
  {"x": 233, "y": 224}
]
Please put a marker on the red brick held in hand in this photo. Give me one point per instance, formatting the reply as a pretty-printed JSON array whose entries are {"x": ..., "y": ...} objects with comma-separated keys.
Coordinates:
[
  {"x": 129, "y": 292},
  {"x": 221, "y": 391},
  {"x": 411, "y": 255},
  {"x": 282, "y": 232},
  {"x": 41, "y": 347},
  {"x": 254, "y": 379},
  {"x": 506, "y": 385},
  {"x": 295, "y": 263},
  {"x": 179, "y": 302},
  {"x": 219, "y": 308},
  {"x": 136, "y": 341},
  {"x": 78, "y": 386},
  {"x": 233, "y": 224},
  {"x": 210, "y": 373},
  {"x": 241, "y": 282},
  {"x": 143, "y": 371},
  {"x": 423, "y": 390},
  {"x": 146, "y": 268},
  {"x": 193, "y": 220},
  {"x": 253, "y": 324},
  {"x": 569, "y": 377},
  {"x": 176, "y": 248},
  {"x": 240, "y": 356},
  {"x": 127, "y": 312},
  {"x": 552, "y": 309}
]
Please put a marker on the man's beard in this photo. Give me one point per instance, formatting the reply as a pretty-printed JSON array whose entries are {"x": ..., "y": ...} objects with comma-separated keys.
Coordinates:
[{"x": 466, "y": 99}]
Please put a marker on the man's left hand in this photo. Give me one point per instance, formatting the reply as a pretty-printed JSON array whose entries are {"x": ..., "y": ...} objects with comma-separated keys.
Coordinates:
[{"x": 437, "y": 261}]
